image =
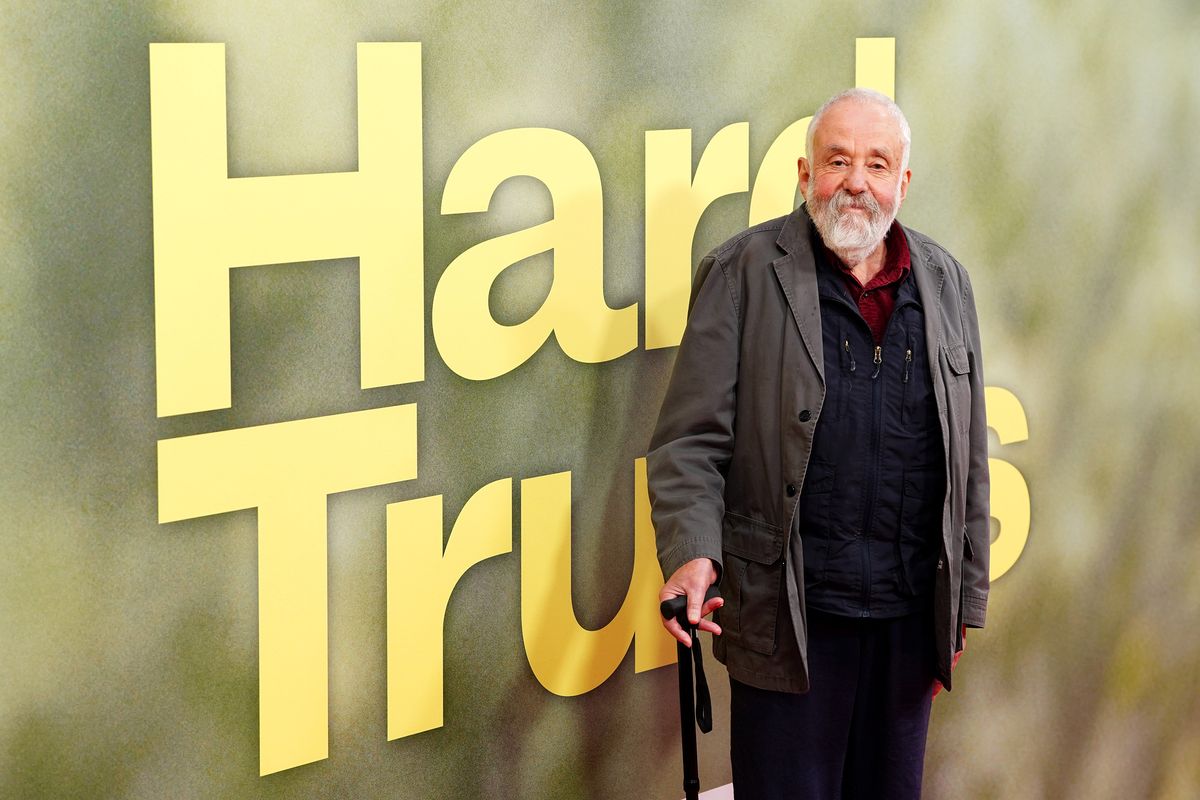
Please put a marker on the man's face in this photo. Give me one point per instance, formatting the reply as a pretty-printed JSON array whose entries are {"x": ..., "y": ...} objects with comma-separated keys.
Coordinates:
[{"x": 852, "y": 181}]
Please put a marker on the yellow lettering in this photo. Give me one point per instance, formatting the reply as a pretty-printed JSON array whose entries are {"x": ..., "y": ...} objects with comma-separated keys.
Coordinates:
[
  {"x": 1010, "y": 492},
  {"x": 777, "y": 181},
  {"x": 469, "y": 339},
  {"x": 420, "y": 579},
  {"x": 286, "y": 470},
  {"x": 875, "y": 64},
  {"x": 205, "y": 222},
  {"x": 675, "y": 202},
  {"x": 567, "y": 659}
]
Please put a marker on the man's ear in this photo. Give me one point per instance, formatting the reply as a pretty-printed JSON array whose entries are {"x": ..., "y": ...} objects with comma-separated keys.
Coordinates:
[
  {"x": 805, "y": 174},
  {"x": 904, "y": 184}
]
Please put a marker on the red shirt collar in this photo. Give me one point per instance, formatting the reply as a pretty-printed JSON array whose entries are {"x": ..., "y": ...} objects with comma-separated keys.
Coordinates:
[{"x": 897, "y": 263}]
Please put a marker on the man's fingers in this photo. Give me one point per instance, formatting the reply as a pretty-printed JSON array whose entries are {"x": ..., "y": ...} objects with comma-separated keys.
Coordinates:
[
  {"x": 672, "y": 626},
  {"x": 698, "y": 607},
  {"x": 695, "y": 600},
  {"x": 696, "y": 613},
  {"x": 712, "y": 605}
]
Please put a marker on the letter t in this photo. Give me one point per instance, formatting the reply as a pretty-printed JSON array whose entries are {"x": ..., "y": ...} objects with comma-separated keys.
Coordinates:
[{"x": 286, "y": 471}]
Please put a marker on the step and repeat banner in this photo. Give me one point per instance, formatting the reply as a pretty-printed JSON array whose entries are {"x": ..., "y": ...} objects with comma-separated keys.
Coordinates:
[{"x": 333, "y": 336}]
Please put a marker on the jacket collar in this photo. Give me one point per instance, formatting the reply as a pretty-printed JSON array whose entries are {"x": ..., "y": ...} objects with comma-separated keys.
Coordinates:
[
  {"x": 930, "y": 278},
  {"x": 796, "y": 271}
]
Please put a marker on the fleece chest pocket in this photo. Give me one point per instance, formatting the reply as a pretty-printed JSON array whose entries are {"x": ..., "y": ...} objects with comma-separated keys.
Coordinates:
[
  {"x": 918, "y": 407},
  {"x": 752, "y": 581}
]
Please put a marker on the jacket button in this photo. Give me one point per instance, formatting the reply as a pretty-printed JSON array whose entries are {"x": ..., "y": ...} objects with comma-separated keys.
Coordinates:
[
  {"x": 805, "y": 415},
  {"x": 791, "y": 490}
]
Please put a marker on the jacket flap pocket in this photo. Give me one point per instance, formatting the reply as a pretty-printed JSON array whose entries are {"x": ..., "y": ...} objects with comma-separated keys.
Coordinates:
[
  {"x": 956, "y": 356},
  {"x": 751, "y": 539}
]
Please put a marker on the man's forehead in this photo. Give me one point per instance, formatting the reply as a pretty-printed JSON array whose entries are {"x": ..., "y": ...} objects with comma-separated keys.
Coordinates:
[{"x": 848, "y": 123}]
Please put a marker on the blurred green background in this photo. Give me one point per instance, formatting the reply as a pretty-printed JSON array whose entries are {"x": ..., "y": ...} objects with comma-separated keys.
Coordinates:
[{"x": 1054, "y": 155}]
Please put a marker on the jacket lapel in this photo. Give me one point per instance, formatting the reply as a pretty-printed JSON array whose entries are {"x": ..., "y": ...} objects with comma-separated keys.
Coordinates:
[
  {"x": 797, "y": 275},
  {"x": 930, "y": 279}
]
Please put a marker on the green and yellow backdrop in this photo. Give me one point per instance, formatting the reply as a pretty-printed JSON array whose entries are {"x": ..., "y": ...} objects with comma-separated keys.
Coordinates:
[{"x": 332, "y": 336}]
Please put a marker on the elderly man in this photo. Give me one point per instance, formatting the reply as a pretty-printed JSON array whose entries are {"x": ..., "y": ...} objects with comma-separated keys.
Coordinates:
[{"x": 822, "y": 452}]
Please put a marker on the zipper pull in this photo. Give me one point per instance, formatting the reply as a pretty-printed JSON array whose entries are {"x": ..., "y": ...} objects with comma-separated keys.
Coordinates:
[
  {"x": 878, "y": 361},
  {"x": 907, "y": 363},
  {"x": 849, "y": 352}
]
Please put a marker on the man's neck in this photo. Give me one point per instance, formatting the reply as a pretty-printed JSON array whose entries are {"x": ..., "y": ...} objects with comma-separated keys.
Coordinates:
[{"x": 864, "y": 266}]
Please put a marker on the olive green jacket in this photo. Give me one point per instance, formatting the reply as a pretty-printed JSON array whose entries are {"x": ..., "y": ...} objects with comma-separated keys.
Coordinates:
[{"x": 728, "y": 455}]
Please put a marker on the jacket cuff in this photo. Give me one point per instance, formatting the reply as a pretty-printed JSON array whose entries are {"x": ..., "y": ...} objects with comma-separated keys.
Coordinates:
[
  {"x": 687, "y": 551},
  {"x": 974, "y": 611}
]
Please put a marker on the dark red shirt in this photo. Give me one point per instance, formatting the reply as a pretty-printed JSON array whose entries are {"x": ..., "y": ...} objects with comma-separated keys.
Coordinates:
[{"x": 877, "y": 299}]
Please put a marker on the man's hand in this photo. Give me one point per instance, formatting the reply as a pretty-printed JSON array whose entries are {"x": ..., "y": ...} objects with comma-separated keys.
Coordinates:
[
  {"x": 692, "y": 580},
  {"x": 937, "y": 685}
]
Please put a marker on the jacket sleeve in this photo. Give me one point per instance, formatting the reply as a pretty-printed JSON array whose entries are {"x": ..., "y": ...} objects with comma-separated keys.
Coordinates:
[
  {"x": 978, "y": 532},
  {"x": 693, "y": 439}
]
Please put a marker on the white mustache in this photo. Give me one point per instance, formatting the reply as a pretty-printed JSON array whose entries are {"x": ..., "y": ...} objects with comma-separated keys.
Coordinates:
[{"x": 844, "y": 200}]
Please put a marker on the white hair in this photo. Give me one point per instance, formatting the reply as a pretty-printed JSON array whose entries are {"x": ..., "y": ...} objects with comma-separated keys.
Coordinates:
[{"x": 865, "y": 96}]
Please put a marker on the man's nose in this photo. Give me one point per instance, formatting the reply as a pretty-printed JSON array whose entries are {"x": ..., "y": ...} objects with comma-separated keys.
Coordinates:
[{"x": 856, "y": 179}]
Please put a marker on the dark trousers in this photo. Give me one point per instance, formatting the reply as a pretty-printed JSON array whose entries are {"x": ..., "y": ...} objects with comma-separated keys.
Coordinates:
[{"x": 858, "y": 734}]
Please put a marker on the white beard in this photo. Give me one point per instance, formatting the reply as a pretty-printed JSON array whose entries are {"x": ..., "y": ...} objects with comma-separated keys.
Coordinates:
[{"x": 850, "y": 235}]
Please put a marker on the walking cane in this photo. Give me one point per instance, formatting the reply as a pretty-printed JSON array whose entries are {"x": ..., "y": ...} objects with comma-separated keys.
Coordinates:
[{"x": 702, "y": 707}]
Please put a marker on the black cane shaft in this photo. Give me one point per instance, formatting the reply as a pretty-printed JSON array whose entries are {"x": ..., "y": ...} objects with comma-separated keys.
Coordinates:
[
  {"x": 687, "y": 720},
  {"x": 676, "y": 608}
]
